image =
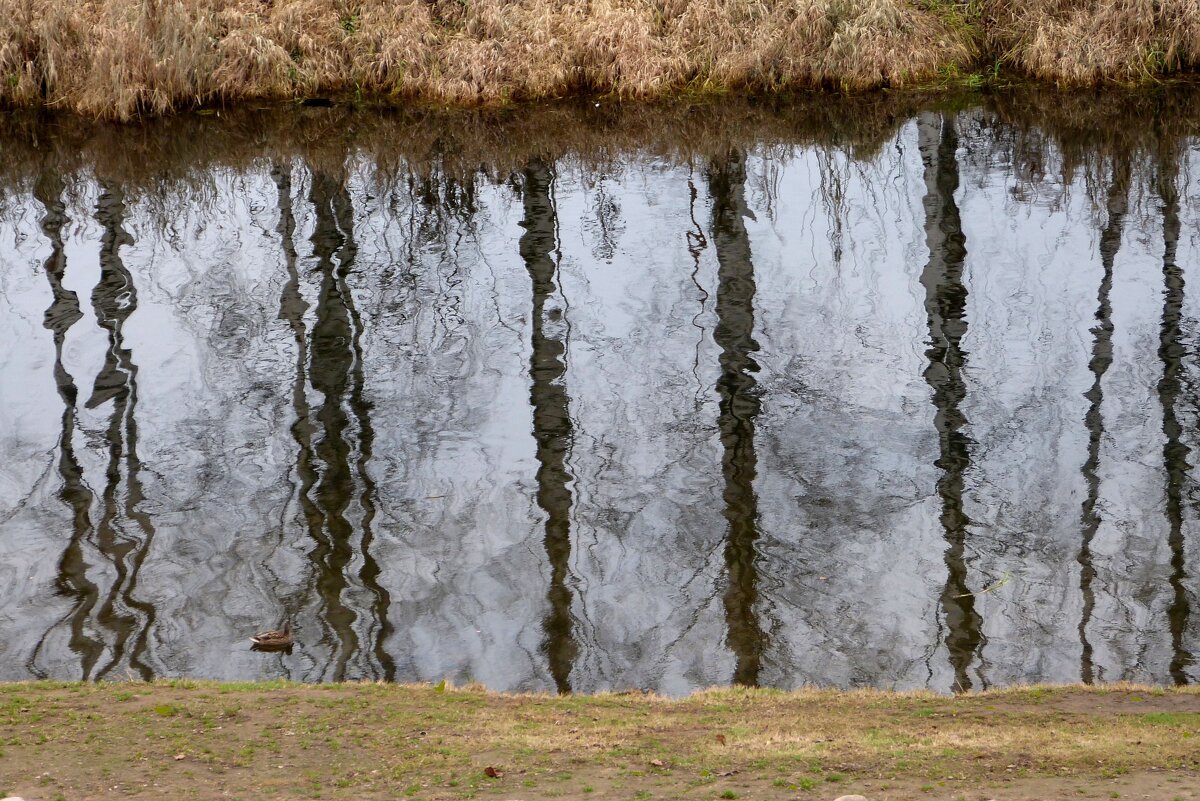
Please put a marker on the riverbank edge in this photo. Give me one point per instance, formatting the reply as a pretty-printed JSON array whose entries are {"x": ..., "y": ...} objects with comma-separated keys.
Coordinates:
[
  {"x": 956, "y": 86},
  {"x": 80, "y": 740}
]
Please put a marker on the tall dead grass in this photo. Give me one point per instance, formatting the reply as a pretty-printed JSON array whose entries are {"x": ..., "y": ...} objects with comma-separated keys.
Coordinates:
[
  {"x": 1087, "y": 42},
  {"x": 120, "y": 58}
]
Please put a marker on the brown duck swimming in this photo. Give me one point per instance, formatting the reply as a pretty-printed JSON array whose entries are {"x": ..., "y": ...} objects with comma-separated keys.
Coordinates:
[{"x": 275, "y": 638}]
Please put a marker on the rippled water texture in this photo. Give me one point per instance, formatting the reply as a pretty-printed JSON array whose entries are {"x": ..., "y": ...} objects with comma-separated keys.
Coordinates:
[{"x": 848, "y": 394}]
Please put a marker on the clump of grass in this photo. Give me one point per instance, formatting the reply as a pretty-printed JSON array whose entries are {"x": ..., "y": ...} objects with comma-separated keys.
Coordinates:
[
  {"x": 122, "y": 58},
  {"x": 1081, "y": 42}
]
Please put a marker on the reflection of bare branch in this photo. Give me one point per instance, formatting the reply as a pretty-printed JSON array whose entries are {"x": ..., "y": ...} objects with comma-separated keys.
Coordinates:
[
  {"x": 114, "y": 300},
  {"x": 697, "y": 243},
  {"x": 344, "y": 448},
  {"x": 552, "y": 426},
  {"x": 64, "y": 312},
  {"x": 292, "y": 308},
  {"x": 605, "y": 222},
  {"x": 380, "y": 665},
  {"x": 739, "y": 408},
  {"x": 334, "y": 442},
  {"x": 771, "y": 163},
  {"x": 835, "y": 175},
  {"x": 1102, "y": 356},
  {"x": 1175, "y": 453},
  {"x": 945, "y": 306}
]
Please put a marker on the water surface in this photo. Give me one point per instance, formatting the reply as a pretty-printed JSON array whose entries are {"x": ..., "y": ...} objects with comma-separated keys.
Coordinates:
[{"x": 891, "y": 393}]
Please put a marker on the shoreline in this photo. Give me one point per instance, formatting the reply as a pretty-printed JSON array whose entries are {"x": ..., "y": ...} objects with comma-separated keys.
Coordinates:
[
  {"x": 204, "y": 739},
  {"x": 177, "y": 151},
  {"x": 123, "y": 59}
]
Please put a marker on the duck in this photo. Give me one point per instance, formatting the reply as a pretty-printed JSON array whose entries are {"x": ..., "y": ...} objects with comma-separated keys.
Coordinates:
[{"x": 274, "y": 638}]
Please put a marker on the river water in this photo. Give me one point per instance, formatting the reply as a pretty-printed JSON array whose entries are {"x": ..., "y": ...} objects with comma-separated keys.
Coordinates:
[{"x": 887, "y": 392}]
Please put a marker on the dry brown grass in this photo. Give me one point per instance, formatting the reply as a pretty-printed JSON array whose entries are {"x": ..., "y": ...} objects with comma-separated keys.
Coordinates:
[
  {"x": 118, "y": 59},
  {"x": 1085, "y": 42},
  {"x": 121, "y": 58}
]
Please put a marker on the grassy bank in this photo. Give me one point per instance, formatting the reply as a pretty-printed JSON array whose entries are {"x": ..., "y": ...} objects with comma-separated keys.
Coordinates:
[
  {"x": 206, "y": 740},
  {"x": 120, "y": 58}
]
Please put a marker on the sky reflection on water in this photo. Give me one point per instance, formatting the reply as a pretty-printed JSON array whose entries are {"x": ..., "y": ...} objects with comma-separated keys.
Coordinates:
[{"x": 908, "y": 404}]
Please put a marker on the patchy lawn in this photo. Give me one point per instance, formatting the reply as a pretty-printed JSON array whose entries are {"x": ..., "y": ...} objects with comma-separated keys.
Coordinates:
[{"x": 202, "y": 740}]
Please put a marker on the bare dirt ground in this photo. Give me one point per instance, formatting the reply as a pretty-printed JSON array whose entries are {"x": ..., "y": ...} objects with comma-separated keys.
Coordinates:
[{"x": 198, "y": 740}]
